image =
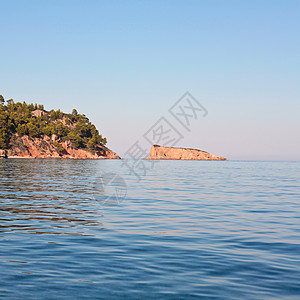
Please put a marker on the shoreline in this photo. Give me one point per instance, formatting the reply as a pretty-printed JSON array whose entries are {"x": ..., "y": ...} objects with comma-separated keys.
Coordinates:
[{"x": 33, "y": 157}]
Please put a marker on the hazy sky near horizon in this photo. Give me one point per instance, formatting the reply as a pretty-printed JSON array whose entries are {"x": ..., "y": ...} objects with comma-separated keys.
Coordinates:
[{"x": 125, "y": 63}]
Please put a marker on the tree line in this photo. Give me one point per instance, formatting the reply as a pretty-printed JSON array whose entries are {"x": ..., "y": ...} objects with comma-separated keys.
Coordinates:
[{"x": 18, "y": 119}]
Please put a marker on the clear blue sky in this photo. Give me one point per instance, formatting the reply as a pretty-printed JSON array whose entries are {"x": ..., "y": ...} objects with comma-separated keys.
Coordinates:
[{"x": 124, "y": 63}]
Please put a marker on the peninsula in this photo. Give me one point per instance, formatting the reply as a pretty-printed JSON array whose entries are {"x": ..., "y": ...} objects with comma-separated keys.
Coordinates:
[
  {"x": 29, "y": 131},
  {"x": 172, "y": 153}
]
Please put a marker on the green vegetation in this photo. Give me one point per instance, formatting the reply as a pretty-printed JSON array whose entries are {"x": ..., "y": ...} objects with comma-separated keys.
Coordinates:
[
  {"x": 59, "y": 147},
  {"x": 32, "y": 120}
]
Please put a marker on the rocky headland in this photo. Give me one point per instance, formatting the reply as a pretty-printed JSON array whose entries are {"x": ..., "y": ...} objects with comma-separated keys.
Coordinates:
[
  {"x": 172, "y": 153},
  {"x": 29, "y": 131}
]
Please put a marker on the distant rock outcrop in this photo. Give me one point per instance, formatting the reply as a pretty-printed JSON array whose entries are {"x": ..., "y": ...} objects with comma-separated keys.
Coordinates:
[{"x": 160, "y": 152}]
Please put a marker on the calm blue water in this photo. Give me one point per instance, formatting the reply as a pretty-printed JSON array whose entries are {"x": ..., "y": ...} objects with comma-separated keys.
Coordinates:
[{"x": 188, "y": 230}]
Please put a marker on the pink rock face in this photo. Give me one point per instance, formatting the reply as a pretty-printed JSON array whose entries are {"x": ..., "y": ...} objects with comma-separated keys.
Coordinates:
[
  {"x": 160, "y": 152},
  {"x": 44, "y": 147},
  {"x": 38, "y": 113}
]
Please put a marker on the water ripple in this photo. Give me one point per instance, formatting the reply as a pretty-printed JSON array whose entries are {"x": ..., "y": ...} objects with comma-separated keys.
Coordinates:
[{"x": 187, "y": 230}]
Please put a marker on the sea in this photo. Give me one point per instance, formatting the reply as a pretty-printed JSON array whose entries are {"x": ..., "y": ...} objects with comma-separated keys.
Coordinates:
[{"x": 94, "y": 229}]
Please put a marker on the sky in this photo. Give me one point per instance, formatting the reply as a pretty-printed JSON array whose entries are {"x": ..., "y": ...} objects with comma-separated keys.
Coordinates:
[{"x": 125, "y": 63}]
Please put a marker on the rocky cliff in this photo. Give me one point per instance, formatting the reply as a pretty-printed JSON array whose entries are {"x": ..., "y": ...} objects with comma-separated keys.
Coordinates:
[
  {"x": 46, "y": 147},
  {"x": 3, "y": 154},
  {"x": 160, "y": 152}
]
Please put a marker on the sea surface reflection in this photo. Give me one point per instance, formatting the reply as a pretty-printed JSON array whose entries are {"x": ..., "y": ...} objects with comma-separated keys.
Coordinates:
[{"x": 189, "y": 229}]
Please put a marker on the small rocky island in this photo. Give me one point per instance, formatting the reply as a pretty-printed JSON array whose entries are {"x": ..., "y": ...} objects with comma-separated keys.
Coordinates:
[
  {"x": 29, "y": 131},
  {"x": 160, "y": 152}
]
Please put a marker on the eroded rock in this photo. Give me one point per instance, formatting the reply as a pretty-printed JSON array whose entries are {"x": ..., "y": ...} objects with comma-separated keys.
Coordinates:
[{"x": 160, "y": 152}]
